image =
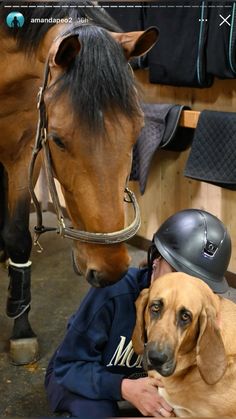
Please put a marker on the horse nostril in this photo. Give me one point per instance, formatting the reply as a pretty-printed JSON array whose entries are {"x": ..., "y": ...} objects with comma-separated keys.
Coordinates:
[
  {"x": 96, "y": 279},
  {"x": 157, "y": 358}
]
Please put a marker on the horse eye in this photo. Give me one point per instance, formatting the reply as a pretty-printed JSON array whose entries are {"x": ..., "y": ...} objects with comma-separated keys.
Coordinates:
[{"x": 57, "y": 140}]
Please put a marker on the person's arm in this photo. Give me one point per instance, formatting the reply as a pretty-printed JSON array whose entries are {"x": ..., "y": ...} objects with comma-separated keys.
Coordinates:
[
  {"x": 78, "y": 364},
  {"x": 79, "y": 368}
]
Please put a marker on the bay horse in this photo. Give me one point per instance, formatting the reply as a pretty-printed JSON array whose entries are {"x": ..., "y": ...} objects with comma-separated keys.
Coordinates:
[{"x": 89, "y": 120}]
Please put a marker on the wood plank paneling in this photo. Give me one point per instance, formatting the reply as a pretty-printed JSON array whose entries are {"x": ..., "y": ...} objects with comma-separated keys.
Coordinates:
[{"x": 167, "y": 189}]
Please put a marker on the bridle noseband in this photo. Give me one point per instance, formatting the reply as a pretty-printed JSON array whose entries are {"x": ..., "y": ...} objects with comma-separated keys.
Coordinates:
[{"x": 41, "y": 143}]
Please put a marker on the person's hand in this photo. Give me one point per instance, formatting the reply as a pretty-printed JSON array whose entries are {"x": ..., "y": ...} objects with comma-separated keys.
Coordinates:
[{"x": 142, "y": 393}]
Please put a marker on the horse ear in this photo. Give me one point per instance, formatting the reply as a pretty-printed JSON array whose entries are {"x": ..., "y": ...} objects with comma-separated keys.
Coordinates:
[
  {"x": 65, "y": 50},
  {"x": 138, "y": 337},
  {"x": 211, "y": 356},
  {"x": 138, "y": 43}
]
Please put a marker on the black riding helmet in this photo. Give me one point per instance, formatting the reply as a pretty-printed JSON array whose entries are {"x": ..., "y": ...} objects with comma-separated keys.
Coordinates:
[{"x": 197, "y": 243}]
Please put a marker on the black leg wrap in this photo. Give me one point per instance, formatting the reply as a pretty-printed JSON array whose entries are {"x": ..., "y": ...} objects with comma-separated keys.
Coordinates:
[
  {"x": 19, "y": 295},
  {"x": 3, "y": 255}
]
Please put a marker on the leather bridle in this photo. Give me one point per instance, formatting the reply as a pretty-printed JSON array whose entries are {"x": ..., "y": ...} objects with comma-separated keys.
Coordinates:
[{"x": 41, "y": 143}]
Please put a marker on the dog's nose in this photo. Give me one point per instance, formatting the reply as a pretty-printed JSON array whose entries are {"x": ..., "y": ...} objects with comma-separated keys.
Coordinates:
[{"x": 157, "y": 358}]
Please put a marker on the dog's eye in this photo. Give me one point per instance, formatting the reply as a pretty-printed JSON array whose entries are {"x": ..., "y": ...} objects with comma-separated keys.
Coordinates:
[
  {"x": 155, "y": 308},
  {"x": 185, "y": 316}
]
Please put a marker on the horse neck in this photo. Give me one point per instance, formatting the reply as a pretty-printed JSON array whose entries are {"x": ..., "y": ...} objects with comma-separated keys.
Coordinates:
[
  {"x": 21, "y": 76},
  {"x": 18, "y": 68}
]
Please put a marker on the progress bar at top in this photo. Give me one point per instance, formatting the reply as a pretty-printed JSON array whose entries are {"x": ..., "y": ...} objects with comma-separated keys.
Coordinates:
[{"x": 130, "y": 4}]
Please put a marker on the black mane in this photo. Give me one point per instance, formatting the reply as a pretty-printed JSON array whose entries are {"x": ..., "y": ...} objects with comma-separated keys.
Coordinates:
[{"x": 30, "y": 35}]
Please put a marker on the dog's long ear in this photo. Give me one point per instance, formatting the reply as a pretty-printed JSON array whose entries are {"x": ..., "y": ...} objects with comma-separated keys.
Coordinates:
[
  {"x": 138, "y": 337},
  {"x": 211, "y": 356}
]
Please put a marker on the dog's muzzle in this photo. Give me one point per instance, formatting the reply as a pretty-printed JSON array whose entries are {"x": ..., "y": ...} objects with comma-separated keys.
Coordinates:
[{"x": 159, "y": 358}]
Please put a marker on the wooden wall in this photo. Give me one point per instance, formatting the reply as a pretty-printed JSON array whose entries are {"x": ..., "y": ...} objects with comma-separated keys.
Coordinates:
[{"x": 167, "y": 189}]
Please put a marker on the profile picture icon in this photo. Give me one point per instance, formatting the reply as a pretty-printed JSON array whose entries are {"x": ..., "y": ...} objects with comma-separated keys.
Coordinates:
[{"x": 15, "y": 20}]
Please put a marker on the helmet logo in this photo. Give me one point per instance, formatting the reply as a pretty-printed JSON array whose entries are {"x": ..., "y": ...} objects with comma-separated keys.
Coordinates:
[{"x": 210, "y": 248}]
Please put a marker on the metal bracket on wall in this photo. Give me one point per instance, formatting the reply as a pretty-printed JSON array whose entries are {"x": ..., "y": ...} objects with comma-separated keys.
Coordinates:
[{"x": 189, "y": 119}]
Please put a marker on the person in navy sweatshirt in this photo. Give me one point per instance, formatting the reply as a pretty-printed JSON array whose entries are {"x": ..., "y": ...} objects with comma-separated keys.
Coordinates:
[{"x": 95, "y": 367}]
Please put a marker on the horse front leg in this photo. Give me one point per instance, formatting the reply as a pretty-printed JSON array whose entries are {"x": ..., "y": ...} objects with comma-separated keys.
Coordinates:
[{"x": 18, "y": 244}]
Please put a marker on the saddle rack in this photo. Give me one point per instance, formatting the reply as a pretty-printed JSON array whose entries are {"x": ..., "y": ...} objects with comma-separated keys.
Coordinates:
[{"x": 189, "y": 119}]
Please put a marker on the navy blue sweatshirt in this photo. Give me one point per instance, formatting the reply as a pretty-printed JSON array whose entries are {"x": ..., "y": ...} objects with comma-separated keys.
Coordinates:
[{"x": 96, "y": 353}]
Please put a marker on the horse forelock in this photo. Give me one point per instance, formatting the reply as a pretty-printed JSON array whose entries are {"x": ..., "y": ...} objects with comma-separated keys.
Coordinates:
[{"x": 99, "y": 80}]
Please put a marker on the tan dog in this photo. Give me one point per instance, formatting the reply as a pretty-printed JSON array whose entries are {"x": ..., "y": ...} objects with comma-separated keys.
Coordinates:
[{"x": 189, "y": 336}]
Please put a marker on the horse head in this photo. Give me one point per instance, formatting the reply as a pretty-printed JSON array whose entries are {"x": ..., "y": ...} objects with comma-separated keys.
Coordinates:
[{"x": 91, "y": 144}]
